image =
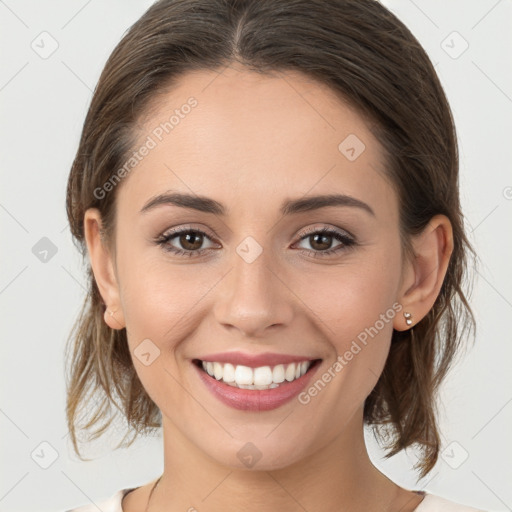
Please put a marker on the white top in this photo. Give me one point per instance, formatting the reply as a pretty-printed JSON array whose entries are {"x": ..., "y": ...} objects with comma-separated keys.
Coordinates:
[{"x": 430, "y": 503}]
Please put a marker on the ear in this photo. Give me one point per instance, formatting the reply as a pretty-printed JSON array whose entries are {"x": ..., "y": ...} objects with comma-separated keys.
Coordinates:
[
  {"x": 103, "y": 269},
  {"x": 424, "y": 275}
]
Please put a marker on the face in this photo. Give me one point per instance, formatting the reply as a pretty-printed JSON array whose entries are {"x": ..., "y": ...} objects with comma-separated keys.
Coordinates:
[{"x": 315, "y": 283}]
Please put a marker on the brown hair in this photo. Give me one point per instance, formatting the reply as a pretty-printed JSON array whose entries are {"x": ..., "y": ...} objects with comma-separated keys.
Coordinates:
[{"x": 367, "y": 56}]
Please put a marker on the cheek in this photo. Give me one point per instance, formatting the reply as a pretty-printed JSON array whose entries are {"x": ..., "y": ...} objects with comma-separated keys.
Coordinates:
[
  {"x": 162, "y": 302},
  {"x": 356, "y": 304},
  {"x": 155, "y": 292},
  {"x": 158, "y": 303},
  {"x": 352, "y": 297},
  {"x": 356, "y": 311}
]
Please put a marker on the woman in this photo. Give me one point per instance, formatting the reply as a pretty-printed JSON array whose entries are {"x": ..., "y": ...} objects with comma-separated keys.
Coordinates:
[{"x": 268, "y": 196}]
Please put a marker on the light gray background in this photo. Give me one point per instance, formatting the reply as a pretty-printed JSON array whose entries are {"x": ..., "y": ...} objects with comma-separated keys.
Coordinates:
[{"x": 43, "y": 106}]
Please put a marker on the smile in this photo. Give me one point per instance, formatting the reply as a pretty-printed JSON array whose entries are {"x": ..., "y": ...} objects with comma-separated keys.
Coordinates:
[
  {"x": 255, "y": 388},
  {"x": 262, "y": 377}
]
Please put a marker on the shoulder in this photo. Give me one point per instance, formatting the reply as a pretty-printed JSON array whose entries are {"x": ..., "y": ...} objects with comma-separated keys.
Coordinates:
[
  {"x": 433, "y": 503},
  {"x": 112, "y": 504}
]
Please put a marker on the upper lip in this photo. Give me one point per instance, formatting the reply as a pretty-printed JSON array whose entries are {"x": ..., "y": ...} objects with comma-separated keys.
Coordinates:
[{"x": 255, "y": 360}]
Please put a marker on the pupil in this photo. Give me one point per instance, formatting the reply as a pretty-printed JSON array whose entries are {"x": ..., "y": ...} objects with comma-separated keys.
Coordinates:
[
  {"x": 323, "y": 237},
  {"x": 187, "y": 242}
]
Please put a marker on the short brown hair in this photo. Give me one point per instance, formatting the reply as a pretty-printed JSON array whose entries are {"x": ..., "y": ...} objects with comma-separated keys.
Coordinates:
[{"x": 366, "y": 55}]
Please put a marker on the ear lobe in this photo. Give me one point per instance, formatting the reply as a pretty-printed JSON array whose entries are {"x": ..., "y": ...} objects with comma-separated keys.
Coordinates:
[
  {"x": 425, "y": 274},
  {"x": 103, "y": 269}
]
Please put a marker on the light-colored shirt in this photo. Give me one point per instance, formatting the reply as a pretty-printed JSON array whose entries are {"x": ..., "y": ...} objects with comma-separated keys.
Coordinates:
[{"x": 430, "y": 503}]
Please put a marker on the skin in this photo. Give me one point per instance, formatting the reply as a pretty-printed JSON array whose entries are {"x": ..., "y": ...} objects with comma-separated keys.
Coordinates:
[{"x": 256, "y": 140}]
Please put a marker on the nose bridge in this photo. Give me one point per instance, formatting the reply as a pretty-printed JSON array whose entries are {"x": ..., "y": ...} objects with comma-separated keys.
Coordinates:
[{"x": 252, "y": 297}]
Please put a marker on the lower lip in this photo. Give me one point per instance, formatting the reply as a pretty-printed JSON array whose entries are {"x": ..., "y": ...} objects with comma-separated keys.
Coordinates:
[{"x": 257, "y": 399}]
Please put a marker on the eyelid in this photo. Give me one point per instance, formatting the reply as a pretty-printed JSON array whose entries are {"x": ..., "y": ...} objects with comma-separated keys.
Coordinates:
[
  {"x": 346, "y": 239},
  {"x": 325, "y": 227},
  {"x": 301, "y": 235},
  {"x": 187, "y": 227}
]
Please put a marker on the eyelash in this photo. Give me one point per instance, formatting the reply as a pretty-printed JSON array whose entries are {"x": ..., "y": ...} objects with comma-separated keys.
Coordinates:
[{"x": 347, "y": 242}]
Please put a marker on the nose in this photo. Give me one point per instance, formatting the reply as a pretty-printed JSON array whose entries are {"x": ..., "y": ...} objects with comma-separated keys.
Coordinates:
[{"x": 254, "y": 297}]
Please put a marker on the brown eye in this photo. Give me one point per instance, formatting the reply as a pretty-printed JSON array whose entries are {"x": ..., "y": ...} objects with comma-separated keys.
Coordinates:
[
  {"x": 321, "y": 241},
  {"x": 191, "y": 240},
  {"x": 184, "y": 242}
]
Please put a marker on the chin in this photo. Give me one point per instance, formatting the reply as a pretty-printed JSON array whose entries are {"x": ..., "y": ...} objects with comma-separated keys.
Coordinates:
[{"x": 259, "y": 452}]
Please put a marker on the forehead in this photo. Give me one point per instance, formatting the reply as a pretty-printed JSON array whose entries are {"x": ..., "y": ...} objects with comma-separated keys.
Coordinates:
[{"x": 236, "y": 133}]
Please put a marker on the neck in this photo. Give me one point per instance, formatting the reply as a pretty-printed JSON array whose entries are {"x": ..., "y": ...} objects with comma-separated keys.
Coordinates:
[{"x": 339, "y": 476}]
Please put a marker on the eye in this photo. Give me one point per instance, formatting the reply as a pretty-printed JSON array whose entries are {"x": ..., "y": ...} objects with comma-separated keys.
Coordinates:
[
  {"x": 190, "y": 239},
  {"x": 321, "y": 241}
]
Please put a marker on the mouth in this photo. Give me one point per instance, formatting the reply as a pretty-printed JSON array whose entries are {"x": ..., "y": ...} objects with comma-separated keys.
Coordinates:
[
  {"x": 255, "y": 388},
  {"x": 259, "y": 378}
]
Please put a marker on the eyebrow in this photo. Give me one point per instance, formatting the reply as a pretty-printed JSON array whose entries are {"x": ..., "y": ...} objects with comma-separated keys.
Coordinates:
[{"x": 289, "y": 206}]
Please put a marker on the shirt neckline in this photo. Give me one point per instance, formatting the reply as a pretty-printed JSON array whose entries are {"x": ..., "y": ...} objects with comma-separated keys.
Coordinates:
[
  {"x": 420, "y": 504},
  {"x": 124, "y": 492}
]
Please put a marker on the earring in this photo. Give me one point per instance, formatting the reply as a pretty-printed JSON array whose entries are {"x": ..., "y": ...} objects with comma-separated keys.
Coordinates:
[{"x": 408, "y": 317}]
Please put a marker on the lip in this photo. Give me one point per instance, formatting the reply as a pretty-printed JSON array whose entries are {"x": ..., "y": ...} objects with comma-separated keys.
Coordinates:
[
  {"x": 257, "y": 400},
  {"x": 255, "y": 360}
]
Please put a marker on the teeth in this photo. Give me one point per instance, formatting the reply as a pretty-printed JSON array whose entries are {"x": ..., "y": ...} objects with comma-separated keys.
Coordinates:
[
  {"x": 217, "y": 371},
  {"x": 228, "y": 373},
  {"x": 243, "y": 375},
  {"x": 289, "y": 373},
  {"x": 263, "y": 377},
  {"x": 278, "y": 373}
]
